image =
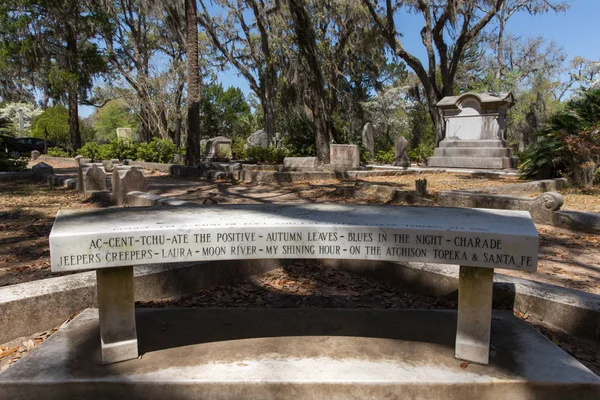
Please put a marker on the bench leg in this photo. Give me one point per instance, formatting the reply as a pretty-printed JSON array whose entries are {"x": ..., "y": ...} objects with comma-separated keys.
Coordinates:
[
  {"x": 475, "y": 287},
  {"x": 117, "y": 314}
]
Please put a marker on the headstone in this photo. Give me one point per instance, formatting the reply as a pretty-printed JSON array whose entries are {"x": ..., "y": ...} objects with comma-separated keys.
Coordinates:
[
  {"x": 401, "y": 153},
  {"x": 35, "y": 155},
  {"x": 368, "y": 139},
  {"x": 125, "y": 180},
  {"x": 278, "y": 140},
  {"x": 108, "y": 165},
  {"x": 125, "y": 133},
  {"x": 300, "y": 163},
  {"x": 42, "y": 169},
  {"x": 258, "y": 138},
  {"x": 218, "y": 149},
  {"x": 474, "y": 132},
  {"x": 94, "y": 177},
  {"x": 344, "y": 155}
]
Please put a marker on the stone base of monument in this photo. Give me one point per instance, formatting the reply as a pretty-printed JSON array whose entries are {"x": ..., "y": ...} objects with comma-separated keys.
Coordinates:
[
  {"x": 298, "y": 353},
  {"x": 485, "y": 154}
]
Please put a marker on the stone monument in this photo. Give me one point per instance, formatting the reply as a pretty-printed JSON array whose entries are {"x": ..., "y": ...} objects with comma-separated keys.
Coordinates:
[
  {"x": 126, "y": 133},
  {"x": 401, "y": 153},
  {"x": 368, "y": 139},
  {"x": 126, "y": 179},
  {"x": 258, "y": 138},
  {"x": 344, "y": 155},
  {"x": 94, "y": 177},
  {"x": 474, "y": 132},
  {"x": 218, "y": 149}
]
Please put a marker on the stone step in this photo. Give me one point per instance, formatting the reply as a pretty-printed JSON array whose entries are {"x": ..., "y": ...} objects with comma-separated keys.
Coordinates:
[
  {"x": 473, "y": 162},
  {"x": 472, "y": 152},
  {"x": 300, "y": 354},
  {"x": 473, "y": 143}
]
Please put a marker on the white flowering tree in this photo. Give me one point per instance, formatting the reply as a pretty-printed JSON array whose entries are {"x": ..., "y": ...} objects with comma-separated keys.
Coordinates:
[
  {"x": 387, "y": 112},
  {"x": 10, "y": 111}
]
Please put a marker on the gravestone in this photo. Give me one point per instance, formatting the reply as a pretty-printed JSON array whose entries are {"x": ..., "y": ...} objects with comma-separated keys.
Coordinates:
[
  {"x": 35, "y": 155},
  {"x": 218, "y": 149},
  {"x": 278, "y": 140},
  {"x": 368, "y": 139},
  {"x": 258, "y": 138},
  {"x": 474, "y": 132},
  {"x": 125, "y": 133},
  {"x": 125, "y": 180},
  {"x": 42, "y": 169},
  {"x": 78, "y": 160},
  {"x": 94, "y": 177},
  {"x": 344, "y": 155},
  {"x": 401, "y": 153}
]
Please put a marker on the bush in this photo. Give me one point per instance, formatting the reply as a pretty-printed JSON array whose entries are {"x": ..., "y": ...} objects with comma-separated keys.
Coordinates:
[
  {"x": 158, "y": 150},
  {"x": 384, "y": 157},
  {"x": 421, "y": 153},
  {"x": 237, "y": 148},
  {"x": 57, "y": 152},
  {"x": 122, "y": 149},
  {"x": 570, "y": 145},
  {"x": 12, "y": 164},
  {"x": 271, "y": 154},
  {"x": 90, "y": 150}
]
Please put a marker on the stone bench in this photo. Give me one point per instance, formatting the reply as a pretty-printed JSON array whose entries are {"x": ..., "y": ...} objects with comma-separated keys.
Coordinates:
[{"x": 112, "y": 241}]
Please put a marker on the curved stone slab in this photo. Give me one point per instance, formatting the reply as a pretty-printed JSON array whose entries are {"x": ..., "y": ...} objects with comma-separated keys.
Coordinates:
[{"x": 121, "y": 237}]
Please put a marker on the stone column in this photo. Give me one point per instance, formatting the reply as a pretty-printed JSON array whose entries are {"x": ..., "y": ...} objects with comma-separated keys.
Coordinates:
[
  {"x": 118, "y": 335},
  {"x": 473, "y": 327}
]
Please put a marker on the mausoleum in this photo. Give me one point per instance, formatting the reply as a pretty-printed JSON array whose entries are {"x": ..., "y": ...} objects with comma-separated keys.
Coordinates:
[{"x": 474, "y": 132}]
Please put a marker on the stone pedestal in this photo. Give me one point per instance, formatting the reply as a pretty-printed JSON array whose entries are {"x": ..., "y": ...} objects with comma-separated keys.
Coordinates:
[
  {"x": 344, "y": 155},
  {"x": 118, "y": 334},
  {"x": 474, "y": 132}
]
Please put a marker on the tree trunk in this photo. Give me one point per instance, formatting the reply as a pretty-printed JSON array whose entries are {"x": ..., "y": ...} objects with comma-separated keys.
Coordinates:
[
  {"x": 268, "y": 104},
  {"x": 72, "y": 91},
  {"x": 192, "y": 152},
  {"x": 305, "y": 36},
  {"x": 74, "y": 120}
]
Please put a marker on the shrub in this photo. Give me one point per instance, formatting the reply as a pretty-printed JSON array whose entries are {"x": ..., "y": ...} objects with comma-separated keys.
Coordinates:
[
  {"x": 57, "y": 152},
  {"x": 12, "y": 164},
  {"x": 384, "y": 157},
  {"x": 122, "y": 148},
  {"x": 421, "y": 153},
  {"x": 570, "y": 145},
  {"x": 238, "y": 150},
  {"x": 271, "y": 154},
  {"x": 90, "y": 150},
  {"x": 158, "y": 150}
]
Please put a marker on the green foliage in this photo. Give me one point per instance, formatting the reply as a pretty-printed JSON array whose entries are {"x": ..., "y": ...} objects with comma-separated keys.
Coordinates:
[
  {"x": 237, "y": 148},
  {"x": 122, "y": 149},
  {"x": 115, "y": 114},
  {"x": 158, "y": 150},
  {"x": 571, "y": 144},
  {"x": 90, "y": 150},
  {"x": 270, "y": 155},
  {"x": 384, "y": 157},
  {"x": 422, "y": 152},
  {"x": 299, "y": 137},
  {"x": 8, "y": 164},
  {"x": 55, "y": 120},
  {"x": 224, "y": 113},
  {"x": 57, "y": 152}
]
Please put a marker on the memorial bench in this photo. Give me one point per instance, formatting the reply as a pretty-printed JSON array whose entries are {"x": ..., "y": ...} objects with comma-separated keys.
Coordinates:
[{"x": 112, "y": 241}]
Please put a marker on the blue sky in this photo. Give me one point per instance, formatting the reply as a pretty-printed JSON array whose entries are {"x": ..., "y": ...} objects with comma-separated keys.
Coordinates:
[{"x": 577, "y": 31}]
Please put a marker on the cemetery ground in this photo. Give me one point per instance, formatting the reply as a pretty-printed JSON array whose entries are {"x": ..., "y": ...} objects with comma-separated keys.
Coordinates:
[{"x": 27, "y": 210}]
